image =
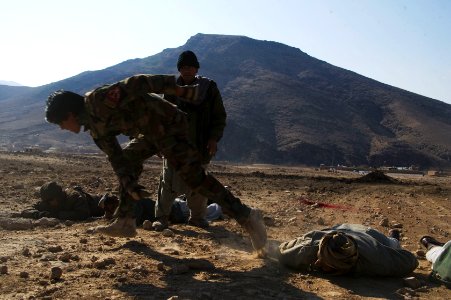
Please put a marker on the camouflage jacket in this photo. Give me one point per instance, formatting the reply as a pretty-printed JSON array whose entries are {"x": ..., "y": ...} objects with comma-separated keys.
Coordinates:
[
  {"x": 127, "y": 108},
  {"x": 77, "y": 205},
  {"x": 207, "y": 118}
]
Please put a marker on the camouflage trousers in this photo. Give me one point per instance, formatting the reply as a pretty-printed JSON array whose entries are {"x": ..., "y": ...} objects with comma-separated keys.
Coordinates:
[
  {"x": 185, "y": 160},
  {"x": 171, "y": 186}
]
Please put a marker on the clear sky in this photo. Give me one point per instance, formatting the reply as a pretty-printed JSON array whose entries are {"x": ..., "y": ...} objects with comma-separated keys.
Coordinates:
[{"x": 404, "y": 43}]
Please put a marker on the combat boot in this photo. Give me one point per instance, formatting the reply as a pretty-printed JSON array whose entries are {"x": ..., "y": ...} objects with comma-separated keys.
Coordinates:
[
  {"x": 161, "y": 223},
  {"x": 255, "y": 226},
  {"x": 121, "y": 227}
]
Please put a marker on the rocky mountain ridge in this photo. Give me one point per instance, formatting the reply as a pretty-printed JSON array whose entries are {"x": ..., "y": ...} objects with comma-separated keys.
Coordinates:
[{"x": 284, "y": 107}]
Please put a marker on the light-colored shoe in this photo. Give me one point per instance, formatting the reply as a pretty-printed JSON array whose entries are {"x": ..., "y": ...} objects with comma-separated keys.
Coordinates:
[
  {"x": 121, "y": 227},
  {"x": 161, "y": 223},
  {"x": 255, "y": 226}
]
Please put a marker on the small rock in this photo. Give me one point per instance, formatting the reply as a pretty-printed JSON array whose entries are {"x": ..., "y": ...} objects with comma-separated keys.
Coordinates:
[
  {"x": 46, "y": 222},
  {"x": 26, "y": 252},
  {"x": 55, "y": 249},
  {"x": 105, "y": 262},
  {"x": 3, "y": 270},
  {"x": 83, "y": 241},
  {"x": 65, "y": 257},
  {"x": 16, "y": 223},
  {"x": 320, "y": 221},
  {"x": 24, "y": 274},
  {"x": 167, "y": 232},
  {"x": 147, "y": 225},
  {"x": 3, "y": 258},
  {"x": 56, "y": 273}
]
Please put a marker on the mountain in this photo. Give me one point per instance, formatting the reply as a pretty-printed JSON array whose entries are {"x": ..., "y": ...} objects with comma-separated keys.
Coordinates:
[
  {"x": 284, "y": 107},
  {"x": 10, "y": 83}
]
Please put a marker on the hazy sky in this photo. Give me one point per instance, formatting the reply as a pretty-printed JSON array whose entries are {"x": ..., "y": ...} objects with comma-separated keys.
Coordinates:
[{"x": 404, "y": 43}]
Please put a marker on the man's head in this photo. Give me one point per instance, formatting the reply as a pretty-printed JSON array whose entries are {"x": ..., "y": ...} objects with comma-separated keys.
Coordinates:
[
  {"x": 63, "y": 108},
  {"x": 188, "y": 65},
  {"x": 337, "y": 254},
  {"x": 187, "y": 59},
  {"x": 52, "y": 193}
]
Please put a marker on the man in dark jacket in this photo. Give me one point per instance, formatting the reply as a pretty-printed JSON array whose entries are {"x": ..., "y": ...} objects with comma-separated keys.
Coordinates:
[
  {"x": 206, "y": 120},
  {"x": 348, "y": 249}
]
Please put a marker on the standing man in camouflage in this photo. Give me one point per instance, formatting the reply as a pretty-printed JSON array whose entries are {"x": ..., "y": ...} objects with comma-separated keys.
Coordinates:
[
  {"x": 155, "y": 125},
  {"x": 206, "y": 119}
]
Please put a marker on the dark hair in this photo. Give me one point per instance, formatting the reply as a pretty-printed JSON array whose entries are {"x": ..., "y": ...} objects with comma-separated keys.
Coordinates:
[
  {"x": 60, "y": 104},
  {"x": 187, "y": 58}
]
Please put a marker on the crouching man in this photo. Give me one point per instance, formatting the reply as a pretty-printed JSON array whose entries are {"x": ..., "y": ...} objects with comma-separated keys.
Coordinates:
[
  {"x": 132, "y": 107},
  {"x": 348, "y": 249}
]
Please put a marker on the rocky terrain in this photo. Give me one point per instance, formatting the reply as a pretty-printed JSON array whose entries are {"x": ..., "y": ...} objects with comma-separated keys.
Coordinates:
[{"x": 51, "y": 259}]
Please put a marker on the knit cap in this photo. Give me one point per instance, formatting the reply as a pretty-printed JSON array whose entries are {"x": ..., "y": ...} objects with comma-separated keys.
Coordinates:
[{"x": 187, "y": 58}]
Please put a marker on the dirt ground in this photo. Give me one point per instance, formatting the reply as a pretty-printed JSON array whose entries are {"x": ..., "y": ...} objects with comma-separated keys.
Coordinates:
[{"x": 218, "y": 263}]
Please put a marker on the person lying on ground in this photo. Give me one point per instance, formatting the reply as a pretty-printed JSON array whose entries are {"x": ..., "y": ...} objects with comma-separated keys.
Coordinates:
[
  {"x": 348, "y": 249},
  {"x": 439, "y": 254},
  {"x": 71, "y": 203}
]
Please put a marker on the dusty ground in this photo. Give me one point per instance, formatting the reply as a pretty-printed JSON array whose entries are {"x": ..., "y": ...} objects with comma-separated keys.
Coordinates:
[{"x": 217, "y": 263}]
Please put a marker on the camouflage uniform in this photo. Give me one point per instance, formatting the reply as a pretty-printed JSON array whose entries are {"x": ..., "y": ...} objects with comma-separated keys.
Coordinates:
[
  {"x": 71, "y": 204},
  {"x": 207, "y": 120},
  {"x": 155, "y": 126}
]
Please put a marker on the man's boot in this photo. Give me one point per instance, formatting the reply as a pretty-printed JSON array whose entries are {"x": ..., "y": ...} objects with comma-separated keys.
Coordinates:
[
  {"x": 161, "y": 223},
  {"x": 255, "y": 226},
  {"x": 121, "y": 227},
  {"x": 198, "y": 210}
]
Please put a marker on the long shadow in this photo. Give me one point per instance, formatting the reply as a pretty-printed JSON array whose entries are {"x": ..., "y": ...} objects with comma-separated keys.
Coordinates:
[
  {"x": 219, "y": 233},
  {"x": 200, "y": 279}
]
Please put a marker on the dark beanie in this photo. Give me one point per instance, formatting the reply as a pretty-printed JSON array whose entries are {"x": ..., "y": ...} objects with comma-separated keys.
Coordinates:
[{"x": 187, "y": 58}]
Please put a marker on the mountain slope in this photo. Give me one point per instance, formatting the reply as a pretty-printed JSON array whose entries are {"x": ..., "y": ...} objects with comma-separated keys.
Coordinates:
[{"x": 284, "y": 105}]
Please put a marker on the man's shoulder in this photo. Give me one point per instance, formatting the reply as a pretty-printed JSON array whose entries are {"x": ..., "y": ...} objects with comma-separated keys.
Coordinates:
[{"x": 204, "y": 80}]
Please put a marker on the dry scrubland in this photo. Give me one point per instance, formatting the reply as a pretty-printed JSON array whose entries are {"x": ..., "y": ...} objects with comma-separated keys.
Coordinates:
[{"x": 64, "y": 261}]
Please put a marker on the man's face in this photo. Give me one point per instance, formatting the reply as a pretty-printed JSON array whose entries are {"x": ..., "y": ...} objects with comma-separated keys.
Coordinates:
[
  {"x": 71, "y": 124},
  {"x": 188, "y": 73}
]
